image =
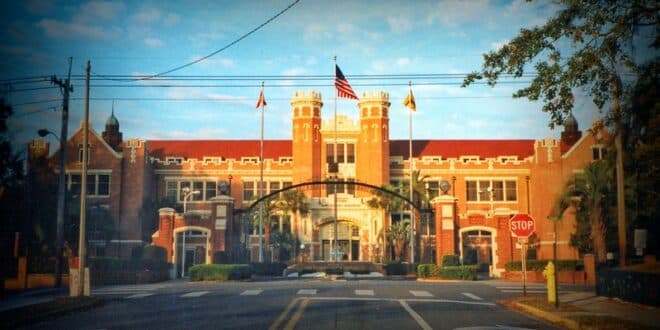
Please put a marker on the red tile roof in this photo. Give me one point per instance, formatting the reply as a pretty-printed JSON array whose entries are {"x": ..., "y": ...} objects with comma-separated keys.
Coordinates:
[
  {"x": 273, "y": 149},
  {"x": 457, "y": 148}
]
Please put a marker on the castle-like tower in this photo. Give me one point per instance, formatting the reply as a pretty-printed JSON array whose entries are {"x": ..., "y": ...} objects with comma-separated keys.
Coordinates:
[
  {"x": 372, "y": 165},
  {"x": 306, "y": 144}
]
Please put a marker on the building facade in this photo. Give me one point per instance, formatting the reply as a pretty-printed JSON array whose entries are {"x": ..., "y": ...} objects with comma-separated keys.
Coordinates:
[{"x": 470, "y": 189}]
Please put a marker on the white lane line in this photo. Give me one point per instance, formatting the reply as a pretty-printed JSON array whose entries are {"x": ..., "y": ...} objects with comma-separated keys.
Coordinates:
[
  {"x": 421, "y": 293},
  {"x": 307, "y": 291},
  {"x": 251, "y": 292},
  {"x": 364, "y": 292},
  {"x": 520, "y": 291},
  {"x": 520, "y": 287},
  {"x": 469, "y": 295},
  {"x": 194, "y": 294},
  {"x": 415, "y": 316},
  {"x": 139, "y": 295}
]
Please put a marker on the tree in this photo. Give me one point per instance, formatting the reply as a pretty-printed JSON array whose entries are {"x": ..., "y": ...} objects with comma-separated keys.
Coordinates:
[
  {"x": 591, "y": 194},
  {"x": 587, "y": 46},
  {"x": 294, "y": 201},
  {"x": 398, "y": 235},
  {"x": 390, "y": 204}
]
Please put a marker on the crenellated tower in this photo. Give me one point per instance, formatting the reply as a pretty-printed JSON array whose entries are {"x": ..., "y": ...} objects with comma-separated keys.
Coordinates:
[
  {"x": 306, "y": 148},
  {"x": 373, "y": 158}
]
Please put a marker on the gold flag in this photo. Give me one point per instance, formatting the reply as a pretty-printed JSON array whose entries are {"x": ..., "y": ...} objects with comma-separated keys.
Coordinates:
[{"x": 410, "y": 101}]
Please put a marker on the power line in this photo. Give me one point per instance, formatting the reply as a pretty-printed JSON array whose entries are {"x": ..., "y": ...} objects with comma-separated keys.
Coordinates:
[
  {"x": 221, "y": 49},
  {"x": 295, "y": 85}
]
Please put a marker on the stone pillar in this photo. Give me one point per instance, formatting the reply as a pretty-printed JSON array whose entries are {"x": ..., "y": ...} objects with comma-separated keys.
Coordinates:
[
  {"x": 164, "y": 236},
  {"x": 445, "y": 226},
  {"x": 222, "y": 210}
]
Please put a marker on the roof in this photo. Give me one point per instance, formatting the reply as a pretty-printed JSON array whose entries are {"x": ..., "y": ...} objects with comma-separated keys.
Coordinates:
[
  {"x": 457, "y": 148},
  {"x": 236, "y": 149},
  {"x": 275, "y": 149}
]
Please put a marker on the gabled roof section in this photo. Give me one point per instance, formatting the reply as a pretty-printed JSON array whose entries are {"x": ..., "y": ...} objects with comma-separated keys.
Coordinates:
[
  {"x": 457, "y": 148},
  {"x": 236, "y": 149},
  {"x": 93, "y": 134}
]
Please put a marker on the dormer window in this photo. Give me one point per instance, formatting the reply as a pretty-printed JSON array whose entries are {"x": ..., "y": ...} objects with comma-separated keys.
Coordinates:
[
  {"x": 80, "y": 152},
  {"x": 598, "y": 152}
]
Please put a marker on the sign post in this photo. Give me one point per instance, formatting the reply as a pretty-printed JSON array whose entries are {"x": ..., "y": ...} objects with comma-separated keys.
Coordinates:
[{"x": 522, "y": 226}]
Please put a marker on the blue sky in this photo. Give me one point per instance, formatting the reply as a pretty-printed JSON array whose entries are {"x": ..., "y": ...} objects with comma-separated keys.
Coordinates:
[{"x": 368, "y": 38}]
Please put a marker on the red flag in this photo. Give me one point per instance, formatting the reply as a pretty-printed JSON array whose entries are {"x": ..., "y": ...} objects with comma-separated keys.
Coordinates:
[
  {"x": 343, "y": 87},
  {"x": 262, "y": 101}
]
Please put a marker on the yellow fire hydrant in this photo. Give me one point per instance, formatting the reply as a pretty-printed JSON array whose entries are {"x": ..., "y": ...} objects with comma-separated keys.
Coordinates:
[{"x": 549, "y": 274}]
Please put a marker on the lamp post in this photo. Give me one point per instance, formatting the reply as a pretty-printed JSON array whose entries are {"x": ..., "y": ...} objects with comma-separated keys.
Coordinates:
[
  {"x": 187, "y": 193},
  {"x": 61, "y": 198},
  {"x": 302, "y": 252}
]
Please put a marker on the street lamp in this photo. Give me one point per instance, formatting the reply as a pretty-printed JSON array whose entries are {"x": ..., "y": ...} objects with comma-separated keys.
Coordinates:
[
  {"x": 302, "y": 252},
  {"x": 61, "y": 191},
  {"x": 187, "y": 194}
]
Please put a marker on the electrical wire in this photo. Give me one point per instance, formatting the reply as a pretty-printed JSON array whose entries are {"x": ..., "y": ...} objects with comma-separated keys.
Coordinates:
[{"x": 219, "y": 50}]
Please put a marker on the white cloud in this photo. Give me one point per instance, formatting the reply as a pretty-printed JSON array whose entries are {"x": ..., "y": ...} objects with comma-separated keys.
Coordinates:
[
  {"x": 399, "y": 24},
  {"x": 171, "y": 19},
  {"x": 54, "y": 28},
  {"x": 403, "y": 61},
  {"x": 211, "y": 62},
  {"x": 453, "y": 13},
  {"x": 147, "y": 15},
  {"x": 153, "y": 42},
  {"x": 99, "y": 10}
]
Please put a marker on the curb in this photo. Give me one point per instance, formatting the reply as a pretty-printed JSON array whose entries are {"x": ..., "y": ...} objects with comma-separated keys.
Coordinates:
[{"x": 570, "y": 324}]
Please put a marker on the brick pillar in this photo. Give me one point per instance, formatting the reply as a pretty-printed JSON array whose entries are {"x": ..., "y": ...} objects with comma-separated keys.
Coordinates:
[
  {"x": 505, "y": 243},
  {"x": 164, "y": 235},
  {"x": 590, "y": 269},
  {"x": 222, "y": 210},
  {"x": 445, "y": 226}
]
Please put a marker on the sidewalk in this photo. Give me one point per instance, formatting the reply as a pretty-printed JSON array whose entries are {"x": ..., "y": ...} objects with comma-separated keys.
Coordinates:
[
  {"x": 31, "y": 297},
  {"x": 585, "y": 310}
]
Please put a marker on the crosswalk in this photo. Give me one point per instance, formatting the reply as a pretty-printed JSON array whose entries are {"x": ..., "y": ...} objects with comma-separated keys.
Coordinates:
[
  {"x": 517, "y": 288},
  {"x": 139, "y": 292}
]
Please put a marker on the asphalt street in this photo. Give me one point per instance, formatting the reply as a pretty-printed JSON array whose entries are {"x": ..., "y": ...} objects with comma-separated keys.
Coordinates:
[{"x": 301, "y": 304}]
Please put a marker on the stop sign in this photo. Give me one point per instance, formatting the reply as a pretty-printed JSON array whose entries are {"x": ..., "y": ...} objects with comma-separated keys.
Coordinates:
[{"x": 522, "y": 225}]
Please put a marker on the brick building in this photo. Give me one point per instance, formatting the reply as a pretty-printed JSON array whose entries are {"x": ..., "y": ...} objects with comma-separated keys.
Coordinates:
[{"x": 472, "y": 186}]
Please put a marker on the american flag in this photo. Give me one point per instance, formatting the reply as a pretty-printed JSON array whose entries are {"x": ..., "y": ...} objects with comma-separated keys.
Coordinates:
[
  {"x": 262, "y": 101},
  {"x": 343, "y": 87}
]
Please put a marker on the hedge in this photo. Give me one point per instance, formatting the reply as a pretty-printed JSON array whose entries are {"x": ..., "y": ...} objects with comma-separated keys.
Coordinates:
[
  {"x": 398, "y": 268},
  {"x": 468, "y": 273},
  {"x": 268, "y": 268},
  {"x": 217, "y": 272},
  {"x": 539, "y": 265},
  {"x": 450, "y": 260}
]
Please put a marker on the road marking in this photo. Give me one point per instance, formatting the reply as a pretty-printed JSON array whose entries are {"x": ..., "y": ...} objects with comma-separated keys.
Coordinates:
[
  {"x": 307, "y": 291},
  {"x": 469, "y": 295},
  {"x": 296, "y": 316},
  {"x": 194, "y": 294},
  {"x": 520, "y": 291},
  {"x": 415, "y": 316},
  {"x": 364, "y": 292},
  {"x": 251, "y": 292},
  {"x": 284, "y": 314},
  {"x": 139, "y": 295},
  {"x": 421, "y": 293}
]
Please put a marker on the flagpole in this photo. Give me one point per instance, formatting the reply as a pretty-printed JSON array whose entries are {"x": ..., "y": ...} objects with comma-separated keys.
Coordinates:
[
  {"x": 412, "y": 163},
  {"x": 336, "y": 251},
  {"x": 261, "y": 182}
]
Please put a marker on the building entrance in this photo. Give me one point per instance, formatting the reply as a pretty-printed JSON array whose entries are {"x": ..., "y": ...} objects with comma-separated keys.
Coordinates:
[
  {"x": 477, "y": 247},
  {"x": 348, "y": 241},
  {"x": 189, "y": 250}
]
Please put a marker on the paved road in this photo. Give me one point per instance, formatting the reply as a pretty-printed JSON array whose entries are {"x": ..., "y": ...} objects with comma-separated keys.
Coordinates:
[{"x": 300, "y": 304}]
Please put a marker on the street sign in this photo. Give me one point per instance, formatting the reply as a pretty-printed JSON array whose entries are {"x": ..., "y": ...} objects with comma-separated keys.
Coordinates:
[{"x": 522, "y": 225}]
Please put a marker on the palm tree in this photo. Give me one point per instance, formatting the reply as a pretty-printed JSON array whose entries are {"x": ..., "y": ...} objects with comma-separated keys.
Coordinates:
[
  {"x": 389, "y": 204},
  {"x": 294, "y": 201},
  {"x": 268, "y": 208},
  {"x": 591, "y": 194},
  {"x": 399, "y": 236}
]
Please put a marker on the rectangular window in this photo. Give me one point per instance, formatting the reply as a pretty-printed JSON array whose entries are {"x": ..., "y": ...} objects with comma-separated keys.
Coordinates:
[
  {"x": 330, "y": 153},
  {"x": 433, "y": 189},
  {"x": 498, "y": 190},
  {"x": 171, "y": 188},
  {"x": 340, "y": 153},
  {"x": 286, "y": 184},
  {"x": 484, "y": 190},
  {"x": 511, "y": 190},
  {"x": 183, "y": 185},
  {"x": 210, "y": 190},
  {"x": 350, "y": 153},
  {"x": 274, "y": 186},
  {"x": 248, "y": 190},
  {"x": 91, "y": 184},
  {"x": 198, "y": 186},
  {"x": 471, "y": 188},
  {"x": 103, "y": 188},
  {"x": 75, "y": 184},
  {"x": 350, "y": 188}
]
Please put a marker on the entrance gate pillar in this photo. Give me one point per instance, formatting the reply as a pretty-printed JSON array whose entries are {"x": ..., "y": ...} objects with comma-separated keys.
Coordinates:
[
  {"x": 445, "y": 226},
  {"x": 222, "y": 209}
]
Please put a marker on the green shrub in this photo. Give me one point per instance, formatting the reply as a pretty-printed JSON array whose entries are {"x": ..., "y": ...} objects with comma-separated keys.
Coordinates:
[
  {"x": 268, "y": 268},
  {"x": 539, "y": 265},
  {"x": 334, "y": 271},
  {"x": 396, "y": 268},
  {"x": 217, "y": 272},
  {"x": 468, "y": 273},
  {"x": 450, "y": 260}
]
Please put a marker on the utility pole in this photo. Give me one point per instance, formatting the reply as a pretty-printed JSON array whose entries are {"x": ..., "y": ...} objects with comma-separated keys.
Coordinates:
[
  {"x": 83, "y": 188},
  {"x": 66, "y": 88}
]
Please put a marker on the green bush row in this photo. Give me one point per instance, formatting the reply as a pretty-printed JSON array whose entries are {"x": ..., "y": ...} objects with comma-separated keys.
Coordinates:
[
  {"x": 219, "y": 272},
  {"x": 539, "y": 265},
  {"x": 398, "y": 268},
  {"x": 468, "y": 273}
]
